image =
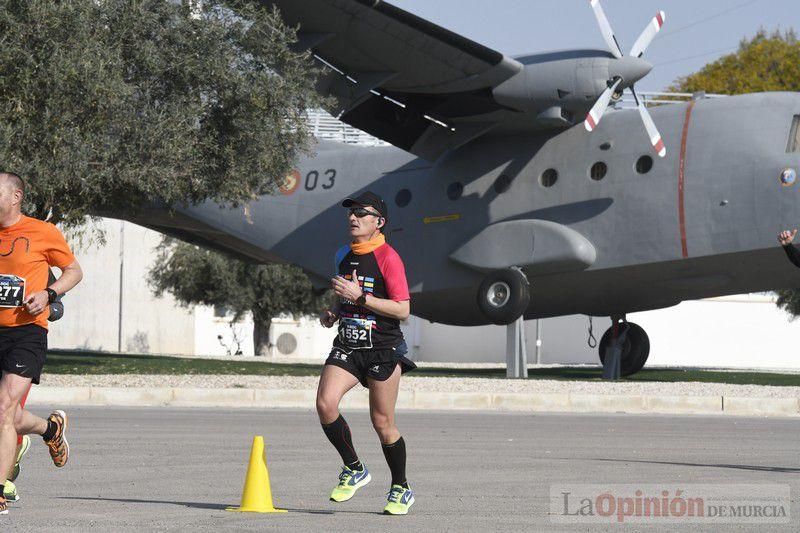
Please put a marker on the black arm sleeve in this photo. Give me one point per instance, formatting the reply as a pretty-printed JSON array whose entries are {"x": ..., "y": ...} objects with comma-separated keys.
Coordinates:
[{"x": 793, "y": 254}]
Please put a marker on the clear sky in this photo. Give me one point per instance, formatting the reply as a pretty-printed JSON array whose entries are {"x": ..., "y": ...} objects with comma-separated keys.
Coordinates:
[{"x": 696, "y": 31}]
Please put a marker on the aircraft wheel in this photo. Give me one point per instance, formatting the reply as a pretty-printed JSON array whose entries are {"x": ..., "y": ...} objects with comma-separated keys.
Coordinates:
[
  {"x": 504, "y": 295},
  {"x": 634, "y": 351}
]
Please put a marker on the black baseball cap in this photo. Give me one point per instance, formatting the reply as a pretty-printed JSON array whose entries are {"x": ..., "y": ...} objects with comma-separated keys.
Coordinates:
[{"x": 368, "y": 198}]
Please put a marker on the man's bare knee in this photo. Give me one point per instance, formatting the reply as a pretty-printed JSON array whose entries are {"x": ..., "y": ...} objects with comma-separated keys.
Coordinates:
[
  {"x": 382, "y": 424},
  {"x": 327, "y": 409},
  {"x": 8, "y": 411},
  {"x": 18, "y": 419}
]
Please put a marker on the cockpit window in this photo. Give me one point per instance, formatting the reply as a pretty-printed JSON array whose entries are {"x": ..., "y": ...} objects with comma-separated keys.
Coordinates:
[{"x": 794, "y": 136}]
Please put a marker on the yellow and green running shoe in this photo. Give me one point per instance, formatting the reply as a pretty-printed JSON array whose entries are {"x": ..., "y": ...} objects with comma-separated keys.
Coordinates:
[
  {"x": 400, "y": 500},
  {"x": 23, "y": 449},
  {"x": 349, "y": 482},
  {"x": 10, "y": 491}
]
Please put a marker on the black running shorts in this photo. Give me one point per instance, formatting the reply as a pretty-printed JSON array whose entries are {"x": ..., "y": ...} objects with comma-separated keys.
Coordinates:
[
  {"x": 23, "y": 350},
  {"x": 374, "y": 364}
]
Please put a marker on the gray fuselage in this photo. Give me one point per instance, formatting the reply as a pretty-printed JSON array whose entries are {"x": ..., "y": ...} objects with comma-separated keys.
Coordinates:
[{"x": 701, "y": 222}]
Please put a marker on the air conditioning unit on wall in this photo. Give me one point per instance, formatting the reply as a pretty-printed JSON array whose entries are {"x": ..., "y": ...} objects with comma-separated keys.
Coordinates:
[
  {"x": 286, "y": 344},
  {"x": 300, "y": 339}
]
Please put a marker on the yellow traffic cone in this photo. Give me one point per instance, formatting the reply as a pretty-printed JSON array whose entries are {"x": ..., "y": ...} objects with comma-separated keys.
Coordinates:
[{"x": 257, "y": 495}]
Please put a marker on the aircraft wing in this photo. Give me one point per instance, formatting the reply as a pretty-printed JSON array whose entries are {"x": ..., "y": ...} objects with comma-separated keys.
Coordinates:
[{"x": 398, "y": 77}]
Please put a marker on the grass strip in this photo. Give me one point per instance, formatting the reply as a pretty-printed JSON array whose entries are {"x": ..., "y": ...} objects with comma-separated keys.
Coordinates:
[{"x": 70, "y": 362}]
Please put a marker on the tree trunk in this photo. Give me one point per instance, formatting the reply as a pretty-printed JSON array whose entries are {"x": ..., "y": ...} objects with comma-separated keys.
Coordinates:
[{"x": 261, "y": 344}]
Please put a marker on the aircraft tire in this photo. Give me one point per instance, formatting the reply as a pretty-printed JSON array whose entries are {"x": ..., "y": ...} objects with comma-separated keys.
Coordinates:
[
  {"x": 504, "y": 296},
  {"x": 634, "y": 352}
]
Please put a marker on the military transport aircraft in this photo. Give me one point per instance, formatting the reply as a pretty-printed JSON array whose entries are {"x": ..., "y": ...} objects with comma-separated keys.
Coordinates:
[{"x": 501, "y": 203}]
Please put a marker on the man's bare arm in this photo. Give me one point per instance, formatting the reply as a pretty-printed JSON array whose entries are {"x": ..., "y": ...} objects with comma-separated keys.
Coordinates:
[
  {"x": 388, "y": 308},
  {"x": 70, "y": 276},
  {"x": 37, "y": 302}
]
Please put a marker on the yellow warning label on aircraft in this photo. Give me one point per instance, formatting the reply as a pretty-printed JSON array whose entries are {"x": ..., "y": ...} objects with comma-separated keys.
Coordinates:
[{"x": 442, "y": 218}]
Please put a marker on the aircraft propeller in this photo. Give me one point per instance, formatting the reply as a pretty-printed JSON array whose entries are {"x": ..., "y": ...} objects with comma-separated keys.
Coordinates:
[{"x": 627, "y": 70}]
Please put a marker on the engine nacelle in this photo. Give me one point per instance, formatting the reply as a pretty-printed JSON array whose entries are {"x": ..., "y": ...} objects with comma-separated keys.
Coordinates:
[{"x": 571, "y": 80}]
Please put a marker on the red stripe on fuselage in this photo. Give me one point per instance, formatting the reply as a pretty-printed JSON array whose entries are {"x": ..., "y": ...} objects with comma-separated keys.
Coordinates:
[
  {"x": 659, "y": 19},
  {"x": 681, "y": 175}
]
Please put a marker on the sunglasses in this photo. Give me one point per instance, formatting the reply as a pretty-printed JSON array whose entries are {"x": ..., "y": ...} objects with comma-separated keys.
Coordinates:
[{"x": 360, "y": 212}]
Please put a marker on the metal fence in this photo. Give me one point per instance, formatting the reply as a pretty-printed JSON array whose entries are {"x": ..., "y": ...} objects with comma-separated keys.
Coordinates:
[
  {"x": 326, "y": 126},
  {"x": 651, "y": 98}
]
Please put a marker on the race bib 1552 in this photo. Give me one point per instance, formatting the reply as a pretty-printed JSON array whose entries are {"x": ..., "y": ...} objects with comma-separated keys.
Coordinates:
[{"x": 355, "y": 332}]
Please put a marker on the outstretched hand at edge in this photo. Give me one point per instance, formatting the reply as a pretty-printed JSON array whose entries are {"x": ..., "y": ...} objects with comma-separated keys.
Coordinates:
[{"x": 786, "y": 237}]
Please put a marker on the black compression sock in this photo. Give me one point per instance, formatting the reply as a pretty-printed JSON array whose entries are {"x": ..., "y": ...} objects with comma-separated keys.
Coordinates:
[
  {"x": 395, "y": 454},
  {"x": 338, "y": 432},
  {"x": 52, "y": 427},
  {"x": 355, "y": 466}
]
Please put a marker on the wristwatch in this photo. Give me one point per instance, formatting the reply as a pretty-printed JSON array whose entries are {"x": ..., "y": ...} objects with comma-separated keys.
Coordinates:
[
  {"x": 362, "y": 300},
  {"x": 51, "y": 295}
]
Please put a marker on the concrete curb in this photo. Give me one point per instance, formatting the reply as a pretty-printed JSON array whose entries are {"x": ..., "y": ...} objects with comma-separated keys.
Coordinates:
[{"x": 414, "y": 399}]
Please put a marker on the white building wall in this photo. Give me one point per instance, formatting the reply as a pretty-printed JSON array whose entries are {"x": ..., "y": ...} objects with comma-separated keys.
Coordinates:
[
  {"x": 563, "y": 341},
  {"x": 214, "y": 335},
  {"x": 743, "y": 331},
  {"x": 92, "y": 310},
  {"x": 313, "y": 342}
]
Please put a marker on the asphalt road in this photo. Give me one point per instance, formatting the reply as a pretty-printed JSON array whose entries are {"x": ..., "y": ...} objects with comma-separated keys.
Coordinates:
[{"x": 168, "y": 469}]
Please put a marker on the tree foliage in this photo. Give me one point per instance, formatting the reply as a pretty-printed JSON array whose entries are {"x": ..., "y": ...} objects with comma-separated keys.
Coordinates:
[
  {"x": 789, "y": 301},
  {"x": 766, "y": 62},
  {"x": 106, "y": 105},
  {"x": 195, "y": 275}
]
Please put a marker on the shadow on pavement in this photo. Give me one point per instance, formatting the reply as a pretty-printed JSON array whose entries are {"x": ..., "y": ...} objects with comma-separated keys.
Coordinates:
[
  {"x": 328, "y": 511},
  {"x": 736, "y": 467},
  {"x": 212, "y": 506},
  {"x": 194, "y": 505}
]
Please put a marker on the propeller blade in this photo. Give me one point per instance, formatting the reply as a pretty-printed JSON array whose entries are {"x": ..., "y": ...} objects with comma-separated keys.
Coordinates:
[
  {"x": 649, "y": 125},
  {"x": 605, "y": 29},
  {"x": 599, "y": 107},
  {"x": 647, "y": 35}
]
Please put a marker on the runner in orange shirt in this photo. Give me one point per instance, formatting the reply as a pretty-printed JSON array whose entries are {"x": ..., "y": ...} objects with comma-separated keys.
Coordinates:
[
  {"x": 24, "y": 441},
  {"x": 28, "y": 247}
]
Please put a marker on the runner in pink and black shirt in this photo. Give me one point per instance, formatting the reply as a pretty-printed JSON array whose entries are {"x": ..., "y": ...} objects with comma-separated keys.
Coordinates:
[{"x": 371, "y": 298}]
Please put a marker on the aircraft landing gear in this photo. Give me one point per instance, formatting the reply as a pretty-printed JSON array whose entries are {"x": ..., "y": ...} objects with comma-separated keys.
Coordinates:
[
  {"x": 504, "y": 295},
  {"x": 634, "y": 349}
]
